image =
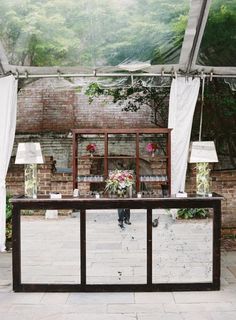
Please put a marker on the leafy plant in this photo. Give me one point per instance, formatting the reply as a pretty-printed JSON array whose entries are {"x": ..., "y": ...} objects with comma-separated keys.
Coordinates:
[
  {"x": 192, "y": 213},
  {"x": 230, "y": 236},
  {"x": 8, "y": 208},
  {"x": 8, "y": 218}
]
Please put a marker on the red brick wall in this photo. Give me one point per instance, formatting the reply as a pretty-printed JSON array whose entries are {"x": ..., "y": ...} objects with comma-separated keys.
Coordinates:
[
  {"x": 102, "y": 114},
  {"x": 223, "y": 183},
  {"x": 48, "y": 180},
  {"x": 42, "y": 108}
]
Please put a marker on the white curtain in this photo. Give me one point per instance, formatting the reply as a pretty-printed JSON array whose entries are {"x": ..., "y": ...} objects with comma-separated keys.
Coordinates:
[
  {"x": 183, "y": 98},
  {"x": 8, "y": 102}
]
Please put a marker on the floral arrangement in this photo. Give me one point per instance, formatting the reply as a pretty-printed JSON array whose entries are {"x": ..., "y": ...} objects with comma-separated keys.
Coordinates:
[
  {"x": 151, "y": 147},
  {"x": 91, "y": 147},
  {"x": 119, "y": 182}
]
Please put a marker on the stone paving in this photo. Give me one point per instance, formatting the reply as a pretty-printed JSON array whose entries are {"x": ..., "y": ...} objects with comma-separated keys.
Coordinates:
[{"x": 107, "y": 252}]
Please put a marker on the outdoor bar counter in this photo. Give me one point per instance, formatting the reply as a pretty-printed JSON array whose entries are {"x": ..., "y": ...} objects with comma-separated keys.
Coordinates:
[{"x": 147, "y": 204}]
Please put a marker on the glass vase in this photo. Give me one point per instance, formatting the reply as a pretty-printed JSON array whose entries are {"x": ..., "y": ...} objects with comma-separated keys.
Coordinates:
[{"x": 203, "y": 178}]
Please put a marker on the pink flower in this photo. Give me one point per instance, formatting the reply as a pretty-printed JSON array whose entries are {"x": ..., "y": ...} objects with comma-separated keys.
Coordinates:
[{"x": 151, "y": 146}]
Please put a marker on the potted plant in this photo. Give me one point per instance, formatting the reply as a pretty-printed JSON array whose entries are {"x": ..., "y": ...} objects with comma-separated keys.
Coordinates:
[{"x": 8, "y": 223}]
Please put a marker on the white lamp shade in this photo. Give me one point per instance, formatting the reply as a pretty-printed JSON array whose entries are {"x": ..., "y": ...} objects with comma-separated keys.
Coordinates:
[
  {"x": 203, "y": 151},
  {"x": 29, "y": 153}
]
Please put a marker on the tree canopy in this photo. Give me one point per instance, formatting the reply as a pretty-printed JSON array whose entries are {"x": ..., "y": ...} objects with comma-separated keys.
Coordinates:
[
  {"x": 107, "y": 32},
  {"x": 218, "y": 47}
]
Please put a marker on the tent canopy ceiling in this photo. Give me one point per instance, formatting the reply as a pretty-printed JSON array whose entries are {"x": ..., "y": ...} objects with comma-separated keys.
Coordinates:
[{"x": 113, "y": 37}]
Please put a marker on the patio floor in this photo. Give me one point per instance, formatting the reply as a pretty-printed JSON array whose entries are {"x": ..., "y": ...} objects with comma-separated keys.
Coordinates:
[{"x": 43, "y": 237}]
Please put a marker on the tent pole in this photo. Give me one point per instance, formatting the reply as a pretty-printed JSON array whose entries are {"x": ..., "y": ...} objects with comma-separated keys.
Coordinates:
[
  {"x": 202, "y": 104},
  {"x": 91, "y": 75},
  {"x": 114, "y": 75}
]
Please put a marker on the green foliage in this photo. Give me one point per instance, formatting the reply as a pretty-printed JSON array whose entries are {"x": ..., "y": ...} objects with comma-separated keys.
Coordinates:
[
  {"x": 94, "y": 90},
  {"x": 230, "y": 236},
  {"x": 109, "y": 32},
  {"x": 9, "y": 230},
  {"x": 192, "y": 213},
  {"x": 8, "y": 208},
  {"x": 219, "y": 119},
  {"x": 92, "y": 33},
  {"x": 8, "y": 218},
  {"x": 218, "y": 46}
]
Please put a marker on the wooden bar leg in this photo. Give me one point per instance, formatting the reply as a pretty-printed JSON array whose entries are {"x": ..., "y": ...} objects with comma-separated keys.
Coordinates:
[
  {"x": 83, "y": 246},
  {"x": 16, "y": 248},
  {"x": 216, "y": 245},
  {"x": 149, "y": 246}
]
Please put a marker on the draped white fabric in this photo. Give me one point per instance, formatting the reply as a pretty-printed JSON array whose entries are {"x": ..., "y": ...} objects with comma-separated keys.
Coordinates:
[
  {"x": 183, "y": 98},
  {"x": 8, "y": 103}
]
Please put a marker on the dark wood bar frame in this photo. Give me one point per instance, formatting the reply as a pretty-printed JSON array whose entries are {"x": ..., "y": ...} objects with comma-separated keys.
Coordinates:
[{"x": 84, "y": 204}]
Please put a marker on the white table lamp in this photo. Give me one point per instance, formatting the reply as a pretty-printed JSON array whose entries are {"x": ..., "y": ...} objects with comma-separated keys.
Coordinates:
[
  {"x": 201, "y": 153},
  {"x": 29, "y": 154}
]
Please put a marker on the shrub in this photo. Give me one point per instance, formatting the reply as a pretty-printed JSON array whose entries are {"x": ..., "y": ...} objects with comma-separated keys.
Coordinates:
[
  {"x": 192, "y": 213},
  {"x": 8, "y": 218}
]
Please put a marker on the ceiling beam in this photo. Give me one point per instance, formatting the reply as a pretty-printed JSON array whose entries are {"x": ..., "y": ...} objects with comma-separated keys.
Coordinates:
[
  {"x": 89, "y": 71},
  {"x": 198, "y": 14},
  {"x": 153, "y": 71},
  {"x": 222, "y": 71}
]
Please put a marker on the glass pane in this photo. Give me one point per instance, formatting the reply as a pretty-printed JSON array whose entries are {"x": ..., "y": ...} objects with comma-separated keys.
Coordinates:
[
  {"x": 121, "y": 145},
  {"x": 153, "y": 163},
  {"x": 50, "y": 248},
  {"x": 122, "y": 164},
  {"x": 90, "y": 164},
  {"x": 218, "y": 47},
  {"x": 92, "y": 33},
  {"x": 182, "y": 249},
  {"x": 115, "y": 255}
]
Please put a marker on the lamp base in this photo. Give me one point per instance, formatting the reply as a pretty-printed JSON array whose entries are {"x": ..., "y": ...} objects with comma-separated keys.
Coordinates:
[
  {"x": 202, "y": 179},
  {"x": 31, "y": 181}
]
